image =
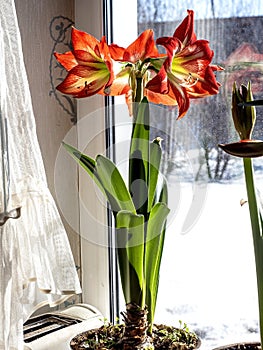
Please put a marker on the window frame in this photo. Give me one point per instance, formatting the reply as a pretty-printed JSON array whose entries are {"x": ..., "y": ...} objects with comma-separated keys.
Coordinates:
[{"x": 99, "y": 273}]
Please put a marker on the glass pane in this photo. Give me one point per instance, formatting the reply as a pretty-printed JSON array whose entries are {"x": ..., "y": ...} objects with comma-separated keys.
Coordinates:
[
  {"x": 170, "y": 11},
  {"x": 208, "y": 275}
]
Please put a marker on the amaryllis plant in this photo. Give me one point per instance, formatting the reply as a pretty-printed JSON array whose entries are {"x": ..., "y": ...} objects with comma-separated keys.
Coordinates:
[
  {"x": 139, "y": 206},
  {"x": 244, "y": 118}
]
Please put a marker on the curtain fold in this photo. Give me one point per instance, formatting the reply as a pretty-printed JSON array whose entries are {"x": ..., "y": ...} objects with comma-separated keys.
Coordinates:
[{"x": 36, "y": 261}]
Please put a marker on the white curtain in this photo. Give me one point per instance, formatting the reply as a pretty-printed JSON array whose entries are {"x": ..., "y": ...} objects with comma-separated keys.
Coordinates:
[{"x": 36, "y": 262}]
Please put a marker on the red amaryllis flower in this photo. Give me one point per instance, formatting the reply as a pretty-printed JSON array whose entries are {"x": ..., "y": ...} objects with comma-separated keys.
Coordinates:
[
  {"x": 135, "y": 61},
  {"x": 89, "y": 66},
  {"x": 140, "y": 50},
  {"x": 94, "y": 67},
  {"x": 186, "y": 72}
]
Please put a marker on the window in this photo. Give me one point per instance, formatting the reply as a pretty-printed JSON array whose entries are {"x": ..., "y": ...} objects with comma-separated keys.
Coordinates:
[{"x": 208, "y": 275}]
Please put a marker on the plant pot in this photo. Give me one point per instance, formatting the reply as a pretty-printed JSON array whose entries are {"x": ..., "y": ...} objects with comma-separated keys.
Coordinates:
[
  {"x": 109, "y": 337},
  {"x": 241, "y": 346}
]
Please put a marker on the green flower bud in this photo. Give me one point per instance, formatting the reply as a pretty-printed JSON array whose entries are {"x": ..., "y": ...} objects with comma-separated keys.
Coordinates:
[{"x": 244, "y": 116}]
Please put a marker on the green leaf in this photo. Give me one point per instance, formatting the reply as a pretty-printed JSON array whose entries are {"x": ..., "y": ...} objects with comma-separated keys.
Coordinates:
[
  {"x": 164, "y": 192},
  {"x": 130, "y": 243},
  {"x": 139, "y": 158},
  {"x": 106, "y": 175},
  {"x": 87, "y": 163},
  {"x": 153, "y": 254},
  {"x": 114, "y": 185}
]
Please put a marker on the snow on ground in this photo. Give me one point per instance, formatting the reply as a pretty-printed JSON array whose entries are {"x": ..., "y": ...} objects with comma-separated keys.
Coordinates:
[{"x": 208, "y": 275}]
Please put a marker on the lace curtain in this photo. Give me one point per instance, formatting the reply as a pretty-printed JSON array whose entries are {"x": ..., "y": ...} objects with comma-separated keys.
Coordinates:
[{"x": 36, "y": 263}]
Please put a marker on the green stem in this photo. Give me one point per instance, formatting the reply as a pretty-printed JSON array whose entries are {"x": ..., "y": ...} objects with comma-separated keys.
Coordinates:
[
  {"x": 138, "y": 175},
  {"x": 139, "y": 90},
  {"x": 257, "y": 235},
  {"x": 137, "y": 97},
  {"x": 139, "y": 152}
]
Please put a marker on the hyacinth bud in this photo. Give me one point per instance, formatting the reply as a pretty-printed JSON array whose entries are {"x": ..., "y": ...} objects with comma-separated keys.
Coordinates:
[{"x": 244, "y": 116}]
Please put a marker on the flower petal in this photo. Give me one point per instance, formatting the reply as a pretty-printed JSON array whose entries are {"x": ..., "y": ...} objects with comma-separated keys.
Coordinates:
[
  {"x": 205, "y": 85},
  {"x": 160, "y": 90},
  {"x": 172, "y": 46},
  {"x": 67, "y": 60},
  {"x": 82, "y": 81},
  {"x": 120, "y": 84},
  {"x": 116, "y": 52},
  {"x": 142, "y": 48},
  {"x": 181, "y": 98},
  {"x": 82, "y": 40},
  {"x": 85, "y": 57},
  {"x": 185, "y": 31},
  {"x": 159, "y": 83}
]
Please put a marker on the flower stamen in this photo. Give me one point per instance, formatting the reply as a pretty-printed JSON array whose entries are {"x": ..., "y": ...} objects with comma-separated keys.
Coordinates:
[
  {"x": 189, "y": 81},
  {"x": 87, "y": 87}
]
